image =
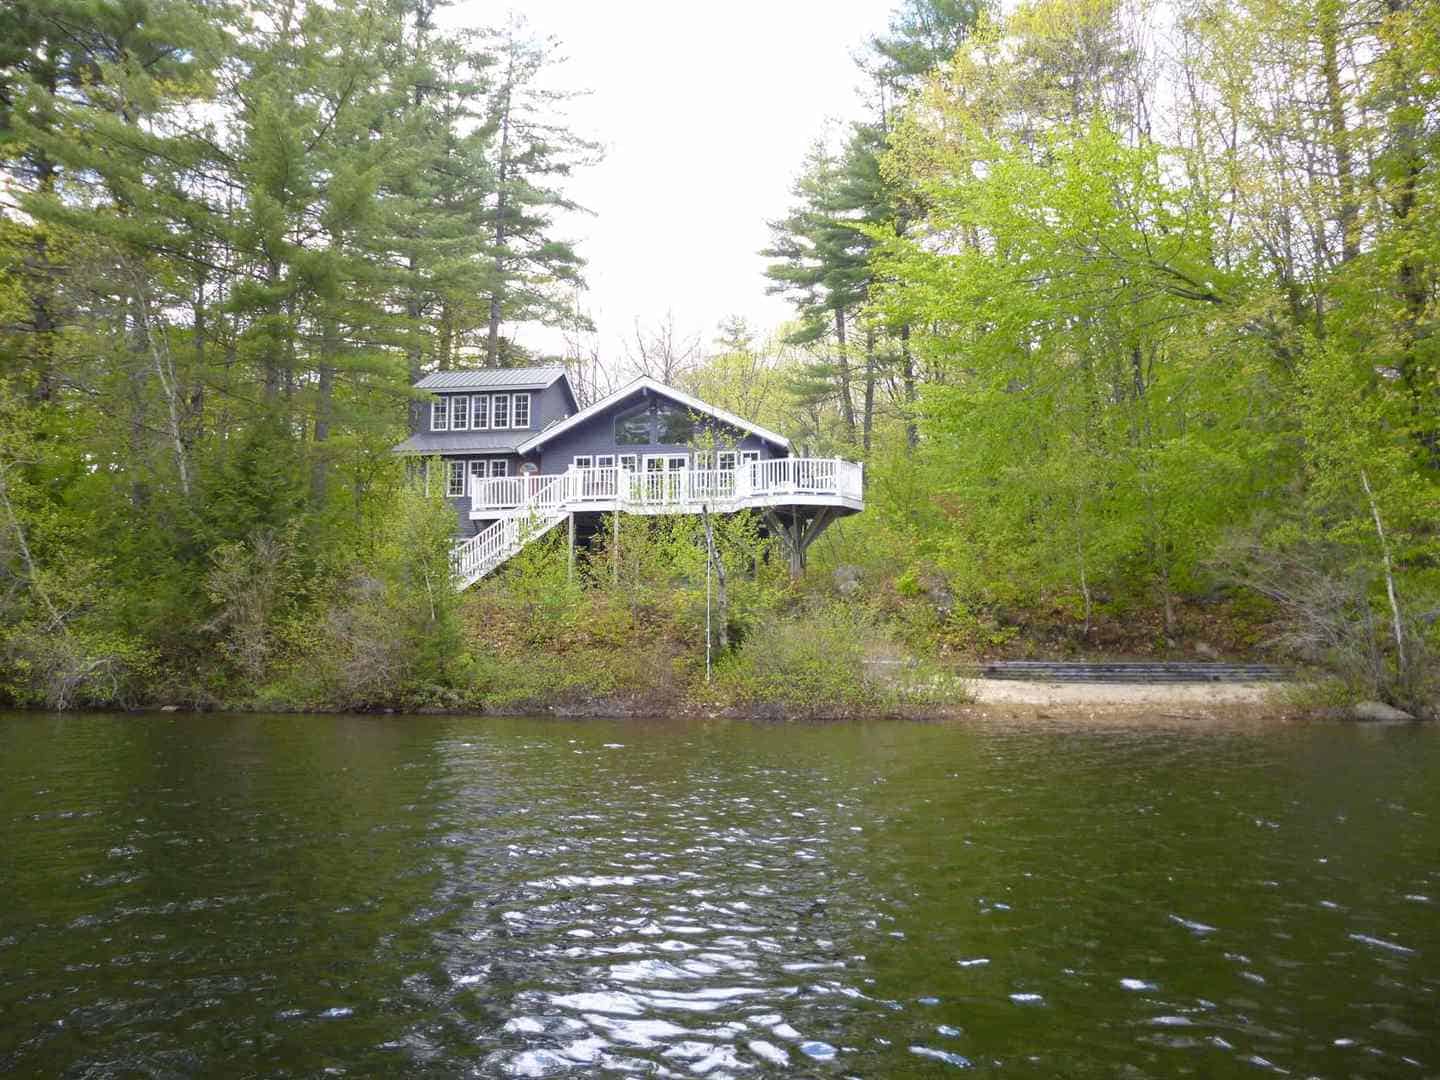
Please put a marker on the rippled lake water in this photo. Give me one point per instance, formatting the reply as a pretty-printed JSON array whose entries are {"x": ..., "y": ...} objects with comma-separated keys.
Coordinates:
[{"x": 297, "y": 896}]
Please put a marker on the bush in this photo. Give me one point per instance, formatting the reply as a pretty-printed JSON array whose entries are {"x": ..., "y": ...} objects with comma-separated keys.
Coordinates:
[{"x": 828, "y": 660}]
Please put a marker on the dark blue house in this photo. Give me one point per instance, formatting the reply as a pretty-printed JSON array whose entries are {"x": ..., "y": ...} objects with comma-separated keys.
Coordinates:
[{"x": 517, "y": 455}]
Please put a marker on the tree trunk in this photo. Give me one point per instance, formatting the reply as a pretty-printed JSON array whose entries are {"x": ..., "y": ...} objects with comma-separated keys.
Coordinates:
[
  {"x": 1413, "y": 274},
  {"x": 912, "y": 430},
  {"x": 842, "y": 369},
  {"x": 492, "y": 343},
  {"x": 271, "y": 362},
  {"x": 200, "y": 341},
  {"x": 324, "y": 407},
  {"x": 414, "y": 355},
  {"x": 1349, "y": 210},
  {"x": 868, "y": 420},
  {"x": 1397, "y": 625}
]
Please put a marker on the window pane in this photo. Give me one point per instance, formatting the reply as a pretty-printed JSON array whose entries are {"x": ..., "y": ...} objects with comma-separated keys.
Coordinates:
[
  {"x": 633, "y": 430},
  {"x": 460, "y": 414},
  {"x": 727, "y": 459},
  {"x": 499, "y": 467},
  {"x": 481, "y": 419},
  {"x": 440, "y": 414},
  {"x": 676, "y": 424},
  {"x": 584, "y": 461},
  {"x": 522, "y": 410},
  {"x": 455, "y": 478},
  {"x": 500, "y": 411},
  {"x": 604, "y": 461},
  {"x": 629, "y": 461}
]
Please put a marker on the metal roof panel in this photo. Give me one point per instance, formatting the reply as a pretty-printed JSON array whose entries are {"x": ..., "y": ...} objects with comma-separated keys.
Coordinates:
[{"x": 522, "y": 378}]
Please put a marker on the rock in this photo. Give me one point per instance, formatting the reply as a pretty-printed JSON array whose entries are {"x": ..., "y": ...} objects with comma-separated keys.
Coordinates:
[
  {"x": 938, "y": 590},
  {"x": 1377, "y": 710},
  {"x": 1206, "y": 651},
  {"x": 169, "y": 708},
  {"x": 847, "y": 580}
]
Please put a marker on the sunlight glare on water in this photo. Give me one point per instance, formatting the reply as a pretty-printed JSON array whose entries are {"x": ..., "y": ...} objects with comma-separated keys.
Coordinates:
[{"x": 445, "y": 896}]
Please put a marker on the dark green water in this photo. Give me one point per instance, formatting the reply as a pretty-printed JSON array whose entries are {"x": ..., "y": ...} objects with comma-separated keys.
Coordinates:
[{"x": 298, "y": 896}]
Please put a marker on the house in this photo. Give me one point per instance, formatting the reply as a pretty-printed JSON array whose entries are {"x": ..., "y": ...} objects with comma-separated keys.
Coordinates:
[{"x": 517, "y": 456}]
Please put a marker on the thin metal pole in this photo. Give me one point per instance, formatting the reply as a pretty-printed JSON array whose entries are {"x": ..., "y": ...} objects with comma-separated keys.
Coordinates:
[
  {"x": 615, "y": 549},
  {"x": 570, "y": 566},
  {"x": 709, "y": 555}
]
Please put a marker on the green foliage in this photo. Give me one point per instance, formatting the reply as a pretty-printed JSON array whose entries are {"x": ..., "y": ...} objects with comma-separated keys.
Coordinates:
[{"x": 826, "y": 661}]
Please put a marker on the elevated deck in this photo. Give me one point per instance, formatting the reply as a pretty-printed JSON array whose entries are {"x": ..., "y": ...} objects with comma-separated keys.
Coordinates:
[{"x": 809, "y": 491}]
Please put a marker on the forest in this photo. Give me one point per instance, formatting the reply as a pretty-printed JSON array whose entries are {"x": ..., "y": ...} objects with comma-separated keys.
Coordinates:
[{"x": 1128, "y": 306}]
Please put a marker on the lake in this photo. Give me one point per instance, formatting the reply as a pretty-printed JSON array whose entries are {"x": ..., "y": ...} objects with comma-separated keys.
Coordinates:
[{"x": 438, "y": 896}]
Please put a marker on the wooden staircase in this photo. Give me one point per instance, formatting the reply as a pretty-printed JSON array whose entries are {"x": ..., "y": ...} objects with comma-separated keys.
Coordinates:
[{"x": 472, "y": 559}]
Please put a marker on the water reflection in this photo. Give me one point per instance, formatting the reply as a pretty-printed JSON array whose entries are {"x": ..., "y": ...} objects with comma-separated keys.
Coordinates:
[{"x": 533, "y": 898}]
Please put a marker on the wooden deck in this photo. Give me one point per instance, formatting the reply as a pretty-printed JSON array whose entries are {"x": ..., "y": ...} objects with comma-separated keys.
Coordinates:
[{"x": 527, "y": 507}]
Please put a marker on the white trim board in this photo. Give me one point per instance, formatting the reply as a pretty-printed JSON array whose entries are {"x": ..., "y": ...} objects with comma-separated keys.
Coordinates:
[{"x": 647, "y": 383}]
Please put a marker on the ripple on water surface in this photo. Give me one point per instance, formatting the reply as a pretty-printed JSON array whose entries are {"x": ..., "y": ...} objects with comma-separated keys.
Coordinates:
[{"x": 537, "y": 898}]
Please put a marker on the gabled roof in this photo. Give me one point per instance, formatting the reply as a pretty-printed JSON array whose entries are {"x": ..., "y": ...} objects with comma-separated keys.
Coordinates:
[
  {"x": 647, "y": 383},
  {"x": 519, "y": 378}
]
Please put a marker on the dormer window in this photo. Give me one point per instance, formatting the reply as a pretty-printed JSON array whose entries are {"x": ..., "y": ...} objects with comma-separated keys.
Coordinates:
[{"x": 479, "y": 412}]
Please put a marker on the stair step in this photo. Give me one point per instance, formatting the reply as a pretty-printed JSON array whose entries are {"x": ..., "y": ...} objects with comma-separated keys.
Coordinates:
[{"x": 1176, "y": 671}]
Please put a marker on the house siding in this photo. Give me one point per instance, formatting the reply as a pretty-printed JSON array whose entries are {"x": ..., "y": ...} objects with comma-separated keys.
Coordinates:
[{"x": 597, "y": 436}]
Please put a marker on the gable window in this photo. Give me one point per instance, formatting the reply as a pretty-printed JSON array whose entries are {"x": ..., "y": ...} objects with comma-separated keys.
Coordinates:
[
  {"x": 675, "y": 426},
  {"x": 520, "y": 411},
  {"x": 633, "y": 428},
  {"x": 440, "y": 414},
  {"x": 460, "y": 414},
  {"x": 480, "y": 412},
  {"x": 500, "y": 411},
  {"x": 454, "y": 479}
]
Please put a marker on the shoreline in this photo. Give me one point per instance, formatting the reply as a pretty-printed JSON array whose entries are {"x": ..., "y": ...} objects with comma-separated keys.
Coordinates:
[{"x": 1079, "y": 704}]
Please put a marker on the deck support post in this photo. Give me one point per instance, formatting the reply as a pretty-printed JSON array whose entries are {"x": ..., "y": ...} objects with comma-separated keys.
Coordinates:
[{"x": 798, "y": 533}]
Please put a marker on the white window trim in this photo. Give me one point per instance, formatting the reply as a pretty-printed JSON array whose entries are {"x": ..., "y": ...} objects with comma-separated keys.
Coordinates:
[
  {"x": 475, "y": 401},
  {"x": 629, "y": 461},
  {"x": 721, "y": 456},
  {"x": 584, "y": 461},
  {"x": 451, "y": 474},
  {"x": 436, "y": 413},
  {"x": 499, "y": 468},
  {"x": 515, "y": 399},
  {"x": 455, "y": 424},
  {"x": 495, "y": 399}
]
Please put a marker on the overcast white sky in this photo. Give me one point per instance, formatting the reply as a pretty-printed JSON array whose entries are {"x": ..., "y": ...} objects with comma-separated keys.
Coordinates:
[{"x": 705, "y": 111}]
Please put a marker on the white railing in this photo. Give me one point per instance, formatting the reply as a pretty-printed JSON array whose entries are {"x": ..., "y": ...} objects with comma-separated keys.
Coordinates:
[
  {"x": 611, "y": 486},
  {"x": 472, "y": 559},
  {"x": 531, "y": 506}
]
